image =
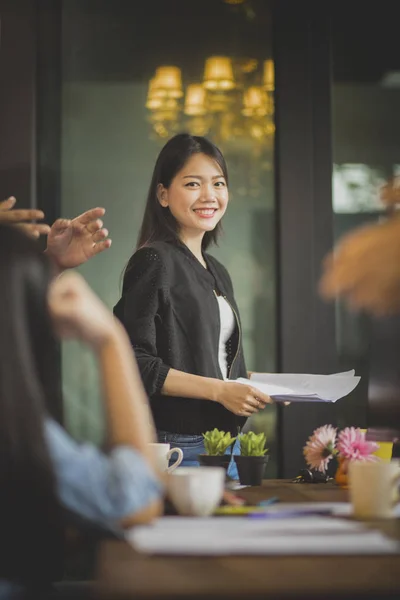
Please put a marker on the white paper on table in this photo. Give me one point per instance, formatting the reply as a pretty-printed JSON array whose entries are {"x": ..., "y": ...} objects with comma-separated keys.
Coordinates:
[
  {"x": 290, "y": 387},
  {"x": 340, "y": 509},
  {"x": 233, "y": 535}
]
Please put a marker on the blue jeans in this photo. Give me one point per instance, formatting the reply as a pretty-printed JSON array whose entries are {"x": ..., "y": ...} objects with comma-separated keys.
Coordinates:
[{"x": 192, "y": 446}]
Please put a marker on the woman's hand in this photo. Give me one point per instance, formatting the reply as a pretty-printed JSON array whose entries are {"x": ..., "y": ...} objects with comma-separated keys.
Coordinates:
[
  {"x": 243, "y": 400},
  {"x": 78, "y": 313},
  {"x": 72, "y": 242},
  {"x": 11, "y": 216}
]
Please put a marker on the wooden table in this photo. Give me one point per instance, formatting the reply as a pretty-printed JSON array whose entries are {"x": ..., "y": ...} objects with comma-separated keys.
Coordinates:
[{"x": 125, "y": 574}]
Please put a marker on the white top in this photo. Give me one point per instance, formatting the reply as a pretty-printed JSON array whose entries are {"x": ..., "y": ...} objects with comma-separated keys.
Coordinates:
[{"x": 228, "y": 322}]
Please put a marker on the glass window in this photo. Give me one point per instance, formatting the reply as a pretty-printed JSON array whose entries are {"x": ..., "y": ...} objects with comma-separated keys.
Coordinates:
[
  {"x": 366, "y": 149},
  {"x": 133, "y": 75}
]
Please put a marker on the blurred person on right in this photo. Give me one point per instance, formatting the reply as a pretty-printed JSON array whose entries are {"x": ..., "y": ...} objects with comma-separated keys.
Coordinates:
[{"x": 364, "y": 267}]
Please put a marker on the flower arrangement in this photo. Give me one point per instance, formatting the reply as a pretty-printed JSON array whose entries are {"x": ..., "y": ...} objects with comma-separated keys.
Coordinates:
[{"x": 326, "y": 443}]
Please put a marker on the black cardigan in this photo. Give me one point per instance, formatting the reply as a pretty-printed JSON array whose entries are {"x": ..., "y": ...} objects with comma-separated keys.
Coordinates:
[{"x": 169, "y": 309}]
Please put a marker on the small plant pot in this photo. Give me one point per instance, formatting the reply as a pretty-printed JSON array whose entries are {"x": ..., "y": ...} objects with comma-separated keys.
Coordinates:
[
  {"x": 207, "y": 460},
  {"x": 251, "y": 469}
]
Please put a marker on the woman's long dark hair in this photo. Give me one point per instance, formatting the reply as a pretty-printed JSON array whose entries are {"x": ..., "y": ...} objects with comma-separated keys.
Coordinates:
[
  {"x": 158, "y": 222},
  {"x": 31, "y": 542}
]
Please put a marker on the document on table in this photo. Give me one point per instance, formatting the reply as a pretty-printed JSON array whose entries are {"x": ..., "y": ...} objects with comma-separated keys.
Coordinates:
[
  {"x": 339, "y": 509},
  {"x": 288, "y": 387},
  {"x": 213, "y": 536}
]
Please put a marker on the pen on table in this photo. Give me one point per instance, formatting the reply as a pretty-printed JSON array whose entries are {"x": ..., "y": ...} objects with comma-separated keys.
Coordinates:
[{"x": 284, "y": 514}]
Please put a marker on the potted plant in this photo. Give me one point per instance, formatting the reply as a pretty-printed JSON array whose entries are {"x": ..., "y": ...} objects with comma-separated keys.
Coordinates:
[
  {"x": 253, "y": 458},
  {"x": 216, "y": 444}
]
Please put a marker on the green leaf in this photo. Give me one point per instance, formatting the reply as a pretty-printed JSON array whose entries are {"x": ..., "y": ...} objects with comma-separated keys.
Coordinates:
[
  {"x": 252, "y": 444},
  {"x": 216, "y": 442}
]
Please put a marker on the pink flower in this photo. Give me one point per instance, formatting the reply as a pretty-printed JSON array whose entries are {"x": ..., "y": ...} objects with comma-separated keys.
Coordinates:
[
  {"x": 320, "y": 448},
  {"x": 353, "y": 445}
]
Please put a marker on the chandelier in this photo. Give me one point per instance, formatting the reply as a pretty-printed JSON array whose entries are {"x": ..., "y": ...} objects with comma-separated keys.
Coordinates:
[{"x": 233, "y": 104}]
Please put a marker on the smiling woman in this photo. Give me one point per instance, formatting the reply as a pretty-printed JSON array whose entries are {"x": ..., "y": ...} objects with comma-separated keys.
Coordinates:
[
  {"x": 189, "y": 174},
  {"x": 197, "y": 202},
  {"x": 178, "y": 304},
  {"x": 97, "y": 143}
]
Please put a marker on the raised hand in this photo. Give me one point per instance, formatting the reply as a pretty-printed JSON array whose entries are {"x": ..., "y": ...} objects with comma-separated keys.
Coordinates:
[
  {"x": 364, "y": 269},
  {"x": 77, "y": 312},
  {"x": 72, "y": 242},
  {"x": 11, "y": 216}
]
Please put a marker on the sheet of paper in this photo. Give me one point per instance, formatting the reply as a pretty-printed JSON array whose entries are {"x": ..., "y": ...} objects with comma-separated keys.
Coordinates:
[
  {"x": 231, "y": 526},
  {"x": 290, "y": 387},
  {"x": 341, "y": 509},
  {"x": 330, "y": 387},
  {"x": 233, "y": 535}
]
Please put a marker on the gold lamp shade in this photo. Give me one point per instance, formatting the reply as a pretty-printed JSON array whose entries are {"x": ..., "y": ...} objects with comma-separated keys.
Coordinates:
[
  {"x": 168, "y": 82},
  {"x": 254, "y": 102},
  {"x": 269, "y": 75},
  {"x": 234, "y": 102},
  {"x": 195, "y": 100},
  {"x": 160, "y": 102},
  {"x": 218, "y": 74},
  {"x": 154, "y": 97}
]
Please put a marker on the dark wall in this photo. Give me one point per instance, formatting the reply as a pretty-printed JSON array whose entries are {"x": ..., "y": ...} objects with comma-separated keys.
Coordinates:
[
  {"x": 17, "y": 101},
  {"x": 304, "y": 199},
  {"x": 30, "y": 109}
]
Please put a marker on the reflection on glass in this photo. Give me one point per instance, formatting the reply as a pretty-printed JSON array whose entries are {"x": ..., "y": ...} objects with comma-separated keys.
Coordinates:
[
  {"x": 356, "y": 188},
  {"x": 128, "y": 85},
  {"x": 233, "y": 104},
  {"x": 366, "y": 148}
]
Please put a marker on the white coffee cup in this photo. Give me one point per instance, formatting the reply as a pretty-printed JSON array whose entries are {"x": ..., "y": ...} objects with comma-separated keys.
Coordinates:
[
  {"x": 196, "y": 491},
  {"x": 374, "y": 488},
  {"x": 163, "y": 454}
]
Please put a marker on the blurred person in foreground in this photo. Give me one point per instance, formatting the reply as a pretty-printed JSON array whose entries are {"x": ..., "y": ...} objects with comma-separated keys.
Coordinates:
[
  {"x": 364, "y": 267},
  {"x": 44, "y": 473}
]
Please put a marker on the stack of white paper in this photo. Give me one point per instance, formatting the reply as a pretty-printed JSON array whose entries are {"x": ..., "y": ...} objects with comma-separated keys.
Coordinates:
[
  {"x": 286, "y": 387},
  {"x": 233, "y": 535}
]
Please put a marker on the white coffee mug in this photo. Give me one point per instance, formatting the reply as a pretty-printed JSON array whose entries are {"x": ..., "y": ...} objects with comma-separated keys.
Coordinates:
[
  {"x": 163, "y": 454},
  {"x": 196, "y": 491},
  {"x": 374, "y": 488}
]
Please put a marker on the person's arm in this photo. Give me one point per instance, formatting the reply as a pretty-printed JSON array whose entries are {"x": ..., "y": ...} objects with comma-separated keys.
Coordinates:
[
  {"x": 143, "y": 296},
  {"x": 18, "y": 217},
  {"x": 72, "y": 242},
  {"x": 243, "y": 400},
  {"x": 364, "y": 269},
  {"x": 78, "y": 313},
  {"x": 145, "y": 282},
  {"x": 111, "y": 490},
  {"x": 129, "y": 418}
]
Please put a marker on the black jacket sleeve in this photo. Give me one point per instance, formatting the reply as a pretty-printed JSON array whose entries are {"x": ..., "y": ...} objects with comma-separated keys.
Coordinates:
[{"x": 144, "y": 292}]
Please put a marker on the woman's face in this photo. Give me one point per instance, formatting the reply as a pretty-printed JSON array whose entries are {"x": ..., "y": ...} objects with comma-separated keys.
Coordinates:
[{"x": 198, "y": 195}]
